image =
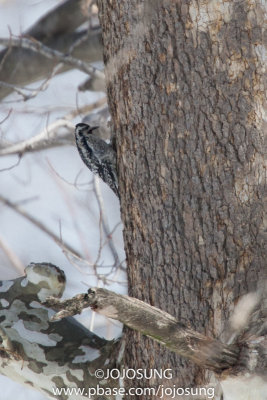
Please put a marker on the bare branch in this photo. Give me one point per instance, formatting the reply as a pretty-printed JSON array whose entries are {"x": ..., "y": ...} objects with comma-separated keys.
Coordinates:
[
  {"x": 51, "y": 136},
  {"x": 12, "y": 166},
  {"x": 40, "y": 225},
  {"x": 55, "y": 30},
  {"x": 36, "y": 46},
  {"x": 8, "y": 115},
  {"x": 13, "y": 258},
  {"x": 34, "y": 92},
  {"x": 88, "y": 108},
  {"x": 44, "y": 139},
  {"x": 33, "y": 66},
  {"x": 104, "y": 221},
  {"x": 43, "y": 355},
  {"x": 14, "y": 88},
  {"x": 159, "y": 325},
  {"x": 78, "y": 350},
  {"x": 93, "y": 83},
  {"x": 65, "y": 17}
]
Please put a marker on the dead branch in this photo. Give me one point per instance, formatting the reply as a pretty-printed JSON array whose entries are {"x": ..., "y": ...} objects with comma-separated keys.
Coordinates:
[
  {"x": 33, "y": 66},
  {"x": 50, "y": 349},
  {"x": 55, "y": 30},
  {"x": 48, "y": 138},
  {"x": 29, "y": 93},
  {"x": 36, "y": 46},
  {"x": 58, "y": 133},
  {"x": 202, "y": 350},
  {"x": 43, "y": 355}
]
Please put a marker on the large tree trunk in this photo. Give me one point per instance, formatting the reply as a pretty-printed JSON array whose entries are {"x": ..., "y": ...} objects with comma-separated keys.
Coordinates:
[
  {"x": 185, "y": 88},
  {"x": 185, "y": 85}
]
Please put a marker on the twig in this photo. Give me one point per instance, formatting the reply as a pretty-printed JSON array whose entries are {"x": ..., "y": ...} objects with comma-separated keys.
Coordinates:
[
  {"x": 38, "y": 47},
  {"x": 12, "y": 166},
  {"x": 101, "y": 277},
  {"x": 13, "y": 87},
  {"x": 43, "y": 140},
  {"x": 8, "y": 115},
  {"x": 34, "y": 92},
  {"x": 15, "y": 261},
  {"x": 49, "y": 137},
  {"x": 40, "y": 225},
  {"x": 104, "y": 220},
  {"x": 75, "y": 184},
  {"x": 76, "y": 261},
  {"x": 87, "y": 108},
  {"x": 5, "y": 55}
]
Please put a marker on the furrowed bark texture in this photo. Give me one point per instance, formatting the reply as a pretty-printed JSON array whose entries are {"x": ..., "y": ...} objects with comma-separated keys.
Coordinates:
[{"x": 186, "y": 93}]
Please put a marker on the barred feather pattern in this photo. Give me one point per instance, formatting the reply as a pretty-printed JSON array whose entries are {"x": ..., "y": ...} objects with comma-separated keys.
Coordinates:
[{"x": 97, "y": 155}]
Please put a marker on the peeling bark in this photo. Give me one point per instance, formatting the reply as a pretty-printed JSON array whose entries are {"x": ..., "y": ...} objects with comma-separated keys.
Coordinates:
[
  {"x": 154, "y": 323},
  {"x": 52, "y": 352},
  {"x": 48, "y": 355}
]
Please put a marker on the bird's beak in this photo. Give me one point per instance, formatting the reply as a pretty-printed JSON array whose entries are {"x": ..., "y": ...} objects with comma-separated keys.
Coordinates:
[{"x": 94, "y": 127}]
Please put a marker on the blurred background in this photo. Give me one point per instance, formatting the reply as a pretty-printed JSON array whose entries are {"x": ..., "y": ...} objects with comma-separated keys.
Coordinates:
[{"x": 52, "y": 208}]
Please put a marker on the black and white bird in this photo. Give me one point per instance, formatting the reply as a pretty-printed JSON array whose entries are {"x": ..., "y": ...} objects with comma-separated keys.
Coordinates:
[{"x": 97, "y": 155}]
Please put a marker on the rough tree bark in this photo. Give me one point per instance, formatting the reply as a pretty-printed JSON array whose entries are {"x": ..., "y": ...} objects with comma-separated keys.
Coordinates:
[
  {"x": 186, "y": 94},
  {"x": 185, "y": 86},
  {"x": 64, "y": 360}
]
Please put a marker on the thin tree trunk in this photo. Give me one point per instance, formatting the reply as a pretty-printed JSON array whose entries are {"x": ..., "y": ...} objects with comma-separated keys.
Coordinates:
[{"x": 186, "y": 93}]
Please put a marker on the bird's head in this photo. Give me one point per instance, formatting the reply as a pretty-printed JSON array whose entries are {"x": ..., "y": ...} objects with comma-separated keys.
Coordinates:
[{"x": 84, "y": 129}]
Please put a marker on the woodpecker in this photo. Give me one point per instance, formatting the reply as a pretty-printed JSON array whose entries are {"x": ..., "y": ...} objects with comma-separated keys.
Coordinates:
[{"x": 97, "y": 155}]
